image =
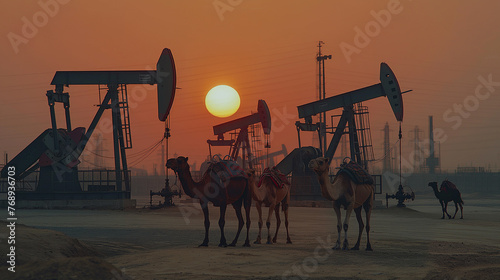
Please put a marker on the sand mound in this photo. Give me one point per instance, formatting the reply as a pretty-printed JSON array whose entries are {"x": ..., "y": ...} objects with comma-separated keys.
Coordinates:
[
  {"x": 77, "y": 268},
  {"x": 48, "y": 254}
]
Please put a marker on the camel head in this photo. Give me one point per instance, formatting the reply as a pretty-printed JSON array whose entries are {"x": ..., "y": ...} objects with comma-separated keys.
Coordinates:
[
  {"x": 320, "y": 165},
  {"x": 177, "y": 164},
  {"x": 250, "y": 172},
  {"x": 252, "y": 178},
  {"x": 433, "y": 184}
]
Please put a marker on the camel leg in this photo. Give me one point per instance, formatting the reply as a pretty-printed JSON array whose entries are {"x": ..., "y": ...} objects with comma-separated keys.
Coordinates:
[
  {"x": 247, "y": 204},
  {"x": 285, "y": 209},
  {"x": 368, "y": 211},
  {"x": 237, "y": 209},
  {"x": 278, "y": 221},
  {"x": 345, "y": 245},
  {"x": 204, "y": 207},
  {"x": 446, "y": 209},
  {"x": 258, "y": 205},
  {"x": 442, "y": 208},
  {"x": 361, "y": 227},
  {"x": 456, "y": 209},
  {"x": 268, "y": 223},
  {"x": 222, "y": 222},
  {"x": 339, "y": 225},
  {"x": 461, "y": 211}
]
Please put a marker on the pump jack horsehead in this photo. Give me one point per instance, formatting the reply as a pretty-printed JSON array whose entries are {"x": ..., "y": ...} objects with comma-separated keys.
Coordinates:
[{"x": 348, "y": 190}]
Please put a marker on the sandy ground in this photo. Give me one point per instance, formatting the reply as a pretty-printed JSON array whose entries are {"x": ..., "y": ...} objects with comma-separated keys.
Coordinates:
[{"x": 411, "y": 243}]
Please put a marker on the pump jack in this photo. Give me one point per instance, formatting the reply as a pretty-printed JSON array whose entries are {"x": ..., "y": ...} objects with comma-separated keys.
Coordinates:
[
  {"x": 242, "y": 141},
  {"x": 388, "y": 87},
  {"x": 56, "y": 151}
]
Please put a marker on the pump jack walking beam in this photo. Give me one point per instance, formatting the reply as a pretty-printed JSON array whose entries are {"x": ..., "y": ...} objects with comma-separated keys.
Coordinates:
[
  {"x": 388, "y": 87},
  {"x": 242, "y": 141}
]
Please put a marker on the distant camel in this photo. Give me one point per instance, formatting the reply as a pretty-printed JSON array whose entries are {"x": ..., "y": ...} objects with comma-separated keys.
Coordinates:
[
  {"x": 447, "y": 193},
  {"x": 211, "y": 188},
  {"x": 348, "y": 194},
  {"x": 271, "y": 196}
]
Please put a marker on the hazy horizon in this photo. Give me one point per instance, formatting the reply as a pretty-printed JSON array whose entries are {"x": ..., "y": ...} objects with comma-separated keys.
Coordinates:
[{"x": 446, "y": 52}]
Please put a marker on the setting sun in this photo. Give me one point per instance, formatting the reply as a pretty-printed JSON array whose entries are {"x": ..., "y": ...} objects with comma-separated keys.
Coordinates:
[{"x": 222, "y": 101}]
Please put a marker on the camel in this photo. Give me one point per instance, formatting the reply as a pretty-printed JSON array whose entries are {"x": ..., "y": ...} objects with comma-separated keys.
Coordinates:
[
  {"x": 447, "y": 193},
  {"x": 271, "y": 196},
  {"x": 345, "y": 192},
  {"x": 211, "y": 189}
]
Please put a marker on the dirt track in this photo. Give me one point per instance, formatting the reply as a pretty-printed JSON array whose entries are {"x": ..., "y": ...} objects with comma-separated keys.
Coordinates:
[{"x": 411, "y": 243}]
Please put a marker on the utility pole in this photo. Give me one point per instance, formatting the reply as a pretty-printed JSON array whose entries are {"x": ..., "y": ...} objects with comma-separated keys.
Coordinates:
[{"x": 322, "y": 95}]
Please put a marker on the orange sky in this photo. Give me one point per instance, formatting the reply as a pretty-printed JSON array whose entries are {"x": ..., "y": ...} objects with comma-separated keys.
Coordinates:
[{"x": 265, "y": 50}]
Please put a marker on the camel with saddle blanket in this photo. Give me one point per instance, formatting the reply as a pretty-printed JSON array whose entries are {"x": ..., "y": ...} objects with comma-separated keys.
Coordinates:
[
  {"x": 352, "y": 188},
  {"x": 271, "y": 189},
  {"x": 448, "y": 192}
]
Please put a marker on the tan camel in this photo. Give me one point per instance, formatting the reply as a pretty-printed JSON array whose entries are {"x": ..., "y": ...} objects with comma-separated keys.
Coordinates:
[
  {"x": 271, "y": 196},
  {"x": 344, "y": 192}
]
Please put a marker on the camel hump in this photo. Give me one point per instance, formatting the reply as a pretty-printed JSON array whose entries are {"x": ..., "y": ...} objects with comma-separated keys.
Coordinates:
[
  {"x": 279, "y": 179},
  {"x": 448, "y": 186},
  {"x": 357, "y": 173},
  {"x": 227, "y": 169}
]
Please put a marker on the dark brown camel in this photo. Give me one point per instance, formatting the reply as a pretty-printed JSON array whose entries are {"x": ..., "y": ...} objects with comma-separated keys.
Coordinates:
[
  {"x": 448, "y": 192},
  {"x": 211, "y": 189}
]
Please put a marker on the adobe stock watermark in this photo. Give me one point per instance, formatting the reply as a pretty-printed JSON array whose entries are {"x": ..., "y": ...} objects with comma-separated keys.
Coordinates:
[
  {"x": 139, "y": 93},
  {"x": 280, "y": 118},
  {"x": 453, "y": 116},
  {"x": 310, "y": 264},
  {"x": 223, "y": 6},
  {"x": 470, "y": 104},
  {"x": 31, "y": 26},
  {"x": 372, "y": 29}
]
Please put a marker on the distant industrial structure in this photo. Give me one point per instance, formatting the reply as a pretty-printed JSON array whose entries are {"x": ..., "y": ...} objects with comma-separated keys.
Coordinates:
[{"x": 433, "y": 161}]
